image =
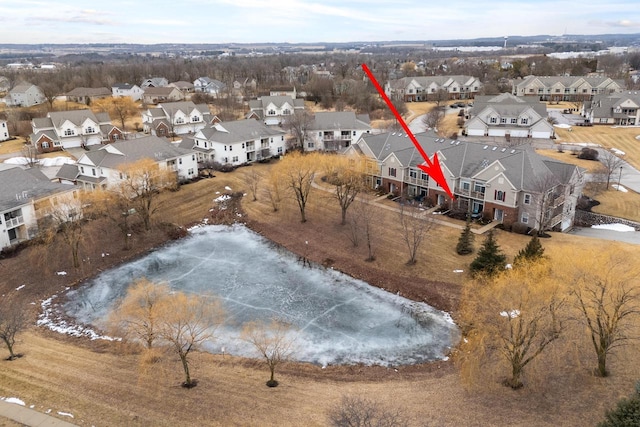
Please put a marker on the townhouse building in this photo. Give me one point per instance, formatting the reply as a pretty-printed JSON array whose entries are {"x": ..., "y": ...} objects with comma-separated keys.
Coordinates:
[
  {"x": 429, "y": 88},
  {"x": 565, "y": 88}
]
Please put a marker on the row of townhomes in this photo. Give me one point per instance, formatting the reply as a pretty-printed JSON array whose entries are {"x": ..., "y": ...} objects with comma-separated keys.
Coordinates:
[
  {"x": 176, "y": 118},
  {"x": 620, "y": 109},
  {"x": 510, "y": 185},
  {"x": 508, "y": 116},
  {"x": 26, "y": 195},
  {"x": 101, "y": 167},
  {"x": 274, "y": 108},
  {"x": 61, "y": 130},
  {"x": 565, "y": 88},
  {"x": 428, "y": 88},
  {"x": 25, "y": 95}
]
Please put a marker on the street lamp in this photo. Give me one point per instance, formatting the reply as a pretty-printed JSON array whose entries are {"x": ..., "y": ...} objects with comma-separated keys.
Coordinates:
[{"x": 619, "y": 178}]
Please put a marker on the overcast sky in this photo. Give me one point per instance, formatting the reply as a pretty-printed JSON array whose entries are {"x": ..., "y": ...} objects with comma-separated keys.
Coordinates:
[{"x": 304, "y": 21}]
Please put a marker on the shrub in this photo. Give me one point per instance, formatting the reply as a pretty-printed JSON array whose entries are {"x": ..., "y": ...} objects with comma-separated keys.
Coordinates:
[
  {"x": 588, "y": 154},
  {"x": 626, "y": 413}
]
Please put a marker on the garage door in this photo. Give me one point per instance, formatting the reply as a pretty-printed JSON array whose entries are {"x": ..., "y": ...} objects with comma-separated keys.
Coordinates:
[
  {"x": 520, "y": 133},
  {"x": 544, "y": 135},
  {"x": 475, "y": 132},
  {"x": 496, "y": 132}
]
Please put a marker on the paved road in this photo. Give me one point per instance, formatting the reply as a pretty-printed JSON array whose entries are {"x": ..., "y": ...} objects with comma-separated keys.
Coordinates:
[
  {"x": 29, "y": 417},
  {"x": 619, "y": 236}
]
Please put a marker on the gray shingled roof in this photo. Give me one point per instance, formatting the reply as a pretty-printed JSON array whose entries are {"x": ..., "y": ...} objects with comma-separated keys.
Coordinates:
[
  {"x": 150, "y": 147},
  {"x": 506, "y": 104},
  {"x": 77, "y": 117},
  {"x": 43, "y": 123},
  {"x": 603, "y": 105},
  {"x": 346, "y": 120},
  {"x": 465, "y": 160},
  {"x": 278, "y": 101},
  {"x": 186, "y": 107},
  {"x": 89, "y": 91},
  {"x": 160, "y": 90},
  {"x": 68, "y": 171},
  {"x": 239, "y": 131},
  {"x": 20, "y": 186},
  {"x": 566, "y": 81},
  {"x": 425, "y": 81}
]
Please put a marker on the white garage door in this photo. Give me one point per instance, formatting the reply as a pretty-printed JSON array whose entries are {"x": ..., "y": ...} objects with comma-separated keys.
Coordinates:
[
  {"x": 496, "y": 132},
  {"x": 543, "y": 135},
  {"x": 520, "y": 133}
]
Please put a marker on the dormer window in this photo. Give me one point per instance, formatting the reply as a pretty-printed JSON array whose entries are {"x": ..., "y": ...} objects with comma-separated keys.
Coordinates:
[
  {"x": 524, "y": 121},
  {"x": 179, "y": 120},
  {"x": 493, "y": 120},
  {"x": 195, "y": 119},
  {"x": 286, "y": 112},
  {"x": 69, "y": 132},
  {"x": 271, "y": 112},
  {"x": 90, "y": 129}
]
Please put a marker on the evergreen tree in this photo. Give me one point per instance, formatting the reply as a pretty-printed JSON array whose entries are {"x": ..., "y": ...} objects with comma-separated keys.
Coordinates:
[
  {"x": 490, "y": 259},
  {"x": 465, "y": 242},
  {"x": 626, "y": 413},
  {"x": 532, "y": 252}
]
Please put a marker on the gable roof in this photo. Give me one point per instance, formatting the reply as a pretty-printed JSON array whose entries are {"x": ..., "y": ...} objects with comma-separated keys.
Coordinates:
[
  {"x": 22, "y": 88},
  {"x": 278, "y": 101},
  {"x": 340, "y": 120},
  {"x": 21, "y": 186},
  {"x": 238, "y": 131},
  {"x": 77, "y": 117},
  {"x": 186, "y": 107},
  {"x": 89, "y": 91},
  {"x": 507, "y": 104},
  {"x": 124, "y": 86}
]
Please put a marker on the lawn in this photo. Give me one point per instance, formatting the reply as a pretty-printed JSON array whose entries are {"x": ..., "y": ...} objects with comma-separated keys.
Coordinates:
[
  {"x": 12, "y": 146},
  {"x": 621, "y": 138}
]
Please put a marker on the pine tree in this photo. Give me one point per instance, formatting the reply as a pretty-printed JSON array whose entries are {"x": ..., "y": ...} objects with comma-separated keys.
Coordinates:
[
  {"x": 532, "y": 252},
  {"x": 626, "y": 413},
  {"x": 465, "y": 242},
  {"x": 490, "y": 259}
]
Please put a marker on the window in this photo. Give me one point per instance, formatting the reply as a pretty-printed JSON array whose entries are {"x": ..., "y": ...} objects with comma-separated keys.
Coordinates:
[
  {"x": 514, "y": 121},
  {"x": 234, "y": 159},
  {"x": 354, "y": 133},
  {"x": 193, "y": 157},
  {"x": 225, "y": 148},
  {"x": 231, "y": 148},
  {"x": 466, "y": 185},
  {"x": 524, "y": 121},
  {"x": 93, "y": 171},
  {"x": 45, "y": 144},
  {"x": 271, "y": 112},
  {"x": 493, "y": 120},
  {"x": 180, "y": 161},
  {"x": 90, "y": 129},
  {"x": 478, "y": 188},
  {"x": 69, "y": 132},
  {"x": 525, "y": 218},
  {"x": 195, "y": 119},
  {"x": 286, "y": 112},
  {"x": 310, "y": 144},
  {"x": 243, "y": 145},
  {"x": 392, "y": 171},
  {"x": 190, "y": 171},
  {"x": 503, "y": 120},
  {"x": 413, "y": 173},
  {"x": 499, "y": 195},
  {"x": 527, "y": 199},
  {"x": 179, "y": 120},
  {"x": 279, "y": 150},
  {"x": 81, "y": 169}
]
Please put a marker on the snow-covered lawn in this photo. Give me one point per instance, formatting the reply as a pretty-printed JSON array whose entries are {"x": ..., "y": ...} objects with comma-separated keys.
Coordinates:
[
  {"x": 620, "y": 188},
  {"x": 46, "y": 162}
]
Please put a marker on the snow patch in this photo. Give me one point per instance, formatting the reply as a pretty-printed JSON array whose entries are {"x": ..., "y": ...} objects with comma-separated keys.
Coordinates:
[
  {"x": 65, "y": 414},
  {"x": 618, "y": 152},
  {"x": 228, "y": 188},
  {"x": 458, "y": 271},
  {"x": 49, "y": 318},
  {"x": 563, "y": 126},
  {"x": 20, "y": 287},
  {"x": 620, "y": 188},
  {"x": 512, "y": 314},
  {"x": 48, "y": 162},
  {"x": 14, "y": 400},
  {"x": 614, "y": 227},
  {"x": 61, "y": 273},
  {"x": 222, "y": 198}
]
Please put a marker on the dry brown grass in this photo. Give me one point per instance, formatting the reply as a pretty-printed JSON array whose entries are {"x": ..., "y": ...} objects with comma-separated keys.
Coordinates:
[
  {"x": 571, "y": 158},
  {"x": 12, "y": 146},
  {"x": 617, "y": 203},
  {"x": 621, "y": 138},
  {"x": 102, "y": 383}
]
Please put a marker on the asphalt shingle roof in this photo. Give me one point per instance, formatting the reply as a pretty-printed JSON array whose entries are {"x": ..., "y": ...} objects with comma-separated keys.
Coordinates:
[{"x": 20, "y": 186}]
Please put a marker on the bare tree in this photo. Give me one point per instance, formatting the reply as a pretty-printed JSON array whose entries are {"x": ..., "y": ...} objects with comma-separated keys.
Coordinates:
[
  {"x": 298, "y": 124},
  {"x": 361, "y": 221},
  {"x": 606, "y": 292},
  {"x": 253, "y": 182},
  {"x": 546, "y": 188},
  {"x": 357, "y": 411},
  {"x": 297, "y": 172},
  {"x": 141, "y": 182},
  {"x": 611, "y": 164},
  {"x": 30, "y": 153},
  {"x": 66, "y": 219},
  {"x": 348, "y": 177},
  {"x": 414, "y": 228},
  {"x": 117, "y": 207},
  {"x": 12, "y": 322},
  {"x": 138, "y": 313},
  {"x": 121, "y": 108},
  {"x": 274, "y": 342},
  {"x": 185, "y": 323},
  {"x": 433, "y": 118},
  {"x": 274, "y": 190}
]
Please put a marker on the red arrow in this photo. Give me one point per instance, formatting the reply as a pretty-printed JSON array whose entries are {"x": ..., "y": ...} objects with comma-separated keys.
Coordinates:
[{"x": 432, "y": 168}]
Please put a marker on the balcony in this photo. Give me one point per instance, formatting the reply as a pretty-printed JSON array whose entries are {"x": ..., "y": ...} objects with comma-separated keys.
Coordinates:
[
  {"x": 336, "y": 138},
  {"x": 557, "y": 200},
  {"x": 14, "y": 222},
  {"x": 469, "y": 193},
  {"x": 416, "y": 181}
]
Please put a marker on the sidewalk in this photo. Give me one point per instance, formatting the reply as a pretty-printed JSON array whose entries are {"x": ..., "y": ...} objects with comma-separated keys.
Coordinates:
[{"x": 29, "y": 417}]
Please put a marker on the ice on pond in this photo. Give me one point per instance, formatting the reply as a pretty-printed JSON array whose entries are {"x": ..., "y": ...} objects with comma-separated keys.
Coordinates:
[{"x": 337, "y": 319}]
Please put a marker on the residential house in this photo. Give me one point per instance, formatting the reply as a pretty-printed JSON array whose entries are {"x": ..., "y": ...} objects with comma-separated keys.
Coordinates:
[
  {"x": 237, "y": 142},
  {"x": 620, "y": 109},
  {"x": 26, "y": 95},
  {"x": 125, "y": 89},
  {"x": 155, "y": 95},
  {"x": 273, "y": 109},
  {"x": 61, "y": 130},
  {"x": 101, "y": 167},
  {"x": 5, "y": 85},
  {"x": 284, "y": 91},
  {"x": 26, "y": 197},
  {"x": 86, "y": 95},
  {"x": 209, "y": 86},
  {"x": 509, "y": 116},
  {"x": 175, "y": 118},
  {"x": 565, "y": 88},
  {"x": 510, "y": 185},
  {"x": 335, "y": 131},
  {"x": 245, "y": 83},
  {"x": 154, "y": 82},
  {"x": 4, "y": 130},
  {"x": 186, "y": 88},
  {"x": 428, "y": 88}
]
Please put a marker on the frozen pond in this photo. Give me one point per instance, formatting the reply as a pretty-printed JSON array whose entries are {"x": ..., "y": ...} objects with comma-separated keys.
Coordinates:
[{"x": 338, "y": 320}]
